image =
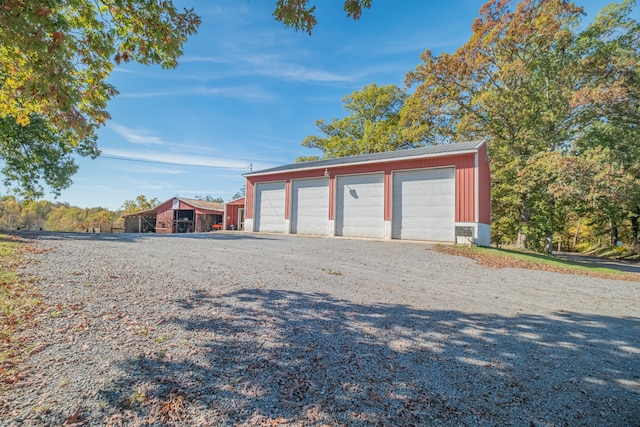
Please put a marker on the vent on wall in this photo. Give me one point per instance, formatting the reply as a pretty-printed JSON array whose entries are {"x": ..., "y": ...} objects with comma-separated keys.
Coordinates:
[{"x": 464, "y": 231}]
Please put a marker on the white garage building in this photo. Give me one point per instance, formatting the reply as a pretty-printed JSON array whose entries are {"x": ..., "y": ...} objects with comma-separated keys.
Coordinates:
[{"x": 437, "y": 193}]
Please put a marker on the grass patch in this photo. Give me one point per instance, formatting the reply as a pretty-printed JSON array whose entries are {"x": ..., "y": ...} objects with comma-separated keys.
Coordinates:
[
  {"x": 508, "y": 258},
  {"x": 18, "y": 305}
]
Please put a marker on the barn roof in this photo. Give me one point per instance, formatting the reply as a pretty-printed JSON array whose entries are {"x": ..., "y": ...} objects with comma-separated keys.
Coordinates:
[
  {"x": 202, "y": 204},
  {"x": 430, "y": 151},
  {"x": 196, "y": 203},
  {"x": 142, "y": 214}
]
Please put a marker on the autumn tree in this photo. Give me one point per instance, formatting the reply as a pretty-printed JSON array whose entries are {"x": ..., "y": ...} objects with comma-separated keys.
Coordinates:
[
  {"x": 139, "y": 204},
  {"x": 372, "y": 125},
  {"x": 55, "y": 61},
  {"x": 9, "y": 212},
  {"x": 518, "y": 83},
  {"x": 99, "y": 218},
  {"x": 299, "y": 15},
  {"x": 33, "y": 215},
  {"x": 612, "y": 46}
]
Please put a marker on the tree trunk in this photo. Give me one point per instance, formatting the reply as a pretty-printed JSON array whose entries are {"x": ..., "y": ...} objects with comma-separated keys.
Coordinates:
[
  {"x": 575, "y": 236},
  {"x": 548, "y": 244},
  {"x": 635, "y": 228},
  {"x": 614, "y": 234},
  {"x": 522, "y": 242}
]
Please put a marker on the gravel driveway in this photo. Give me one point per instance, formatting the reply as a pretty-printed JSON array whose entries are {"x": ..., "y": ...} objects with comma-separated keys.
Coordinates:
[{"x": 234, "y": 329}]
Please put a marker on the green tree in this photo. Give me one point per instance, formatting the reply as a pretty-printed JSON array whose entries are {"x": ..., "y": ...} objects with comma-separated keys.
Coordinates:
[
  {"x": 518, "y": 83},
  {"x": 371, "y": 126},
  {"x": 37, "y": 154}
]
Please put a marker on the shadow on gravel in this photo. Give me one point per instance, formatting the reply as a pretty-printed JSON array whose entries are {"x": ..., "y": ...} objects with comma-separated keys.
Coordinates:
[{"x": 286, "y": 358}]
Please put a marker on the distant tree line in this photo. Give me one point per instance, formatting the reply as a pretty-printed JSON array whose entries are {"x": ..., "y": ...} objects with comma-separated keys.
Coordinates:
[
  {"x": 57, "y": 216},
  {"x": 45, "y": 215}
]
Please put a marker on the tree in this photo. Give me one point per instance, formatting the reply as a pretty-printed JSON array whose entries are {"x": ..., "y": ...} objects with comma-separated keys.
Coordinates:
[
  {"x": 58, "y": 54},
  {"x": 518, "y": 83},
  {"x": 240, "y": 193},
  {"x": 612, "y": 44},
  {"x": 139, "y": 204},
  {"x": 210, "y": 198},
  {"x": 55, "y": 61},
  {"x": 66, "y": 218},
  {"x": 371, "y": 126},
  {"x": 99, "y": 218},
  {"x": 37, "y": 154},
  {"x": 9, "y": 212},
  {"x": 300, "y": 16},
  {"x": 34, "y": 213}
]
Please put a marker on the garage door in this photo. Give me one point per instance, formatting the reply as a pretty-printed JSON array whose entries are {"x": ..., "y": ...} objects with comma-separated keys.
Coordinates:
[
  {"x": 360, "y": 206},
  {"x": 424, "y": 205},
  {"x": 270, "y": 203},
  {"x": 310, "y": 206}
]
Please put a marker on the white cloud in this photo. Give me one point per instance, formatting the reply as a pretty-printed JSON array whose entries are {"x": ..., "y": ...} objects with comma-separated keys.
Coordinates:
[
  {"x": 177, "y": 159},
  {"x": 249, "y": 93},
  {"x": 136, "y": 136},
  {"x": 271, "y": 65}
]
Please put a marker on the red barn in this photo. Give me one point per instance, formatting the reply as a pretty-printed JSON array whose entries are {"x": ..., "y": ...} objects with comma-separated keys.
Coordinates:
[
  {"x": 234, "y": 214},
  {"x": 437, "y": 193},
  {"x": 180, "y": 215}
]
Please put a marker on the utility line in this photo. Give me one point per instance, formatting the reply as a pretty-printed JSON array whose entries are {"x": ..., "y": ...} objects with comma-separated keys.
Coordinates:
[{"x": 104, "y": 156}]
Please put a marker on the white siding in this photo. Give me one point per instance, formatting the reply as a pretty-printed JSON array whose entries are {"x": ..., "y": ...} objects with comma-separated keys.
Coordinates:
[
  {"x": 310, "y": 206},
  {"x": 270, "y": 207},
  {"x": 360, "y": 205},
  {"x": 424, "y": 205}
]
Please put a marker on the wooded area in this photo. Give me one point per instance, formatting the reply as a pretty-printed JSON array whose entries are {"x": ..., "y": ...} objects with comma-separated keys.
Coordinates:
[{"x": 558, "y": 103}]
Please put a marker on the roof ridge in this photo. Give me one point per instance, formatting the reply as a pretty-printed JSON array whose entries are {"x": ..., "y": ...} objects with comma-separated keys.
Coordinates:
[{"x": 441, "y": 149}]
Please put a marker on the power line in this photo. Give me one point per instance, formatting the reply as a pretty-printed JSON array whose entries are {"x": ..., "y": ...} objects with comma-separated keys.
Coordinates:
[{"x": 104, "y": 156}]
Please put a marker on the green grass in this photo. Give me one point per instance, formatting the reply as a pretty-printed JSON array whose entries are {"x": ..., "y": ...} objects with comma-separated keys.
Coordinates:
[
  {"x": 502, "y": 258},
  {"x": 18, "y": 304}
]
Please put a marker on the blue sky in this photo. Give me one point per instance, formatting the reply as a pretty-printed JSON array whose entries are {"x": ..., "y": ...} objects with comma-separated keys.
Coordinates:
[{"x": 248, "y": 91}]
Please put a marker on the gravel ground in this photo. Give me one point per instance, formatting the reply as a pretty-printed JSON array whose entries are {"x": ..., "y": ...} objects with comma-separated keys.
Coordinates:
[{"x": 234, "y": 329}]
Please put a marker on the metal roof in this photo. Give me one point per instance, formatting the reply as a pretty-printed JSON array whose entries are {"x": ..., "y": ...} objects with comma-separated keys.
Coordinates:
[
  {"x": 430, "y": 151},
  {"x": 203, "y": 204},
  {"x": 196, "y": 203}
]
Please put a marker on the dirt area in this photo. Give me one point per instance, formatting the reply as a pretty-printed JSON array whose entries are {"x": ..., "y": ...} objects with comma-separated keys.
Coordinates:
[{"x": 236, "y": 329}]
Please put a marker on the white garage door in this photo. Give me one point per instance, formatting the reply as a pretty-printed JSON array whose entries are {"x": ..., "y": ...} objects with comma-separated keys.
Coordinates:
[
  {"x": 424, "y": 205},
  {"x": 310, "y": 206},
  {"x": 270, "y": 202},
  {"x": 360, "y": 205}
]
